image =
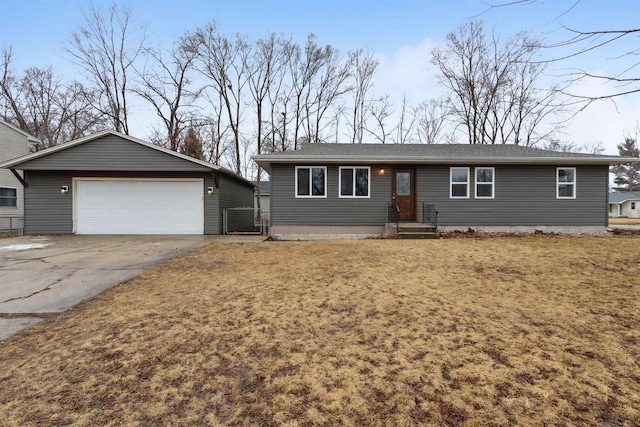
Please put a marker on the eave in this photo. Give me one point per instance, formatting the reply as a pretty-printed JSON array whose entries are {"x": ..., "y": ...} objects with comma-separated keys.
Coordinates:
[{"x": 265, "y": 161}]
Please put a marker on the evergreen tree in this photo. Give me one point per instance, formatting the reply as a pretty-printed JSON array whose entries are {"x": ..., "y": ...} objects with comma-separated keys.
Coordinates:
[
  {"x": 628, "y": 174},
  {"x": 192, "y": 145}
]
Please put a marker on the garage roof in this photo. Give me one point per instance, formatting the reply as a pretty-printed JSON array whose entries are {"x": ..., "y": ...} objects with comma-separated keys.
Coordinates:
[{"x": 94, "y": 157}]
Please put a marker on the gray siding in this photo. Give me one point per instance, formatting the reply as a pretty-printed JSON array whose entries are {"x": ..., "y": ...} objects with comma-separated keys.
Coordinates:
[
  {"x": 46, "y": 210},
  {"x": 235, "y": 194},
  {"x": 49, "y": 212},
  {"x": 12, "y": 145},
  {"x": 286, "y": 209},
  {"x": 111, "y": 153},
  {"x": 524, "y": 196}
]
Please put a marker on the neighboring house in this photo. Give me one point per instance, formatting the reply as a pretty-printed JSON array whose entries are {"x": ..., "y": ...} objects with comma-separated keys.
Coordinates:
[
  {"x": 110, "y": 183},
  {"x": 265, "y": 195},
  {"x": 13, "y": 143},
  {"x": 624, "y": 204},
  {"x": 335, "y": 189}
]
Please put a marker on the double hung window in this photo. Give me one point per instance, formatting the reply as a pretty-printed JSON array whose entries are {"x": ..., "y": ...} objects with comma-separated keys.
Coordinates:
[
  {"x": 8, "y": 197},
  {"x": 459, "y": 183},
  {"x": 311, "y": 181},
  {"x": 566, "y": 183},
  {"x": 354, "y": 181}
]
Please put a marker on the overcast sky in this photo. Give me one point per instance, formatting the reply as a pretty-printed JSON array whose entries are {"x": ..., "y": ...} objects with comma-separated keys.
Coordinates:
[{"x": 401, "y": 32}]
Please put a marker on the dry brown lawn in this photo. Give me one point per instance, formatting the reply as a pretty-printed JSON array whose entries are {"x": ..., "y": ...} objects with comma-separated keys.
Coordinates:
[
  {"x": 624, "y": 221},
  {"x": 534, "y": 330}
]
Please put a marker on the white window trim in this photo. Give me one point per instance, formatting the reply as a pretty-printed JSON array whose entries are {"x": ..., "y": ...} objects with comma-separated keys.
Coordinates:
[
  {"x": 493, "y": 182},
  {"x": 575, "y": 185},
  {"x": 353, "y": 168},
  {"x": 17, "y": 197},
  {"x": 451, "y": 196},
  {"x": 311, "y": 196}
]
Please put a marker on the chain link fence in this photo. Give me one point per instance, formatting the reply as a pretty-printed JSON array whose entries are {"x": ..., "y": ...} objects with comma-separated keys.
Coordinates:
[
  {"x": 245, "y": 221},
  {"x": 12, "y": 224}
]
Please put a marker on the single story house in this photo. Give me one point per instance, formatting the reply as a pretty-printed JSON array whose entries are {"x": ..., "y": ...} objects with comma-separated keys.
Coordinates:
[
  {"x": 355, "y": 189},
  {"x": 110, "y": 183},
  {"x": 13, "y": 143},
  {"x": 624, "y": 204}
]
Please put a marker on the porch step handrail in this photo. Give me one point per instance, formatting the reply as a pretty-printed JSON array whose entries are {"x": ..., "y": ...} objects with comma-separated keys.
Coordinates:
[
  {"x": 430, "y": 214},
  {"x": 393, "y": 213}
]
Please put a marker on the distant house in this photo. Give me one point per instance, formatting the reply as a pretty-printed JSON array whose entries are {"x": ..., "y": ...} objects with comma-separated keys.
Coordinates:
[
  {"x": 624, "y": 204},
  {"x": 265, "y": 196},
  {"x": 13, "y": 143},
  {"x": 110, "y": 183},
  {"x": 357, "y": 189}
]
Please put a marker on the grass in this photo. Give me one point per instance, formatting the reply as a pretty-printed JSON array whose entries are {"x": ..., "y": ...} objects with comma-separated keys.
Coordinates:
[
  {"x": 534, "y": 330},
  {"x": 625, "y": 221}
]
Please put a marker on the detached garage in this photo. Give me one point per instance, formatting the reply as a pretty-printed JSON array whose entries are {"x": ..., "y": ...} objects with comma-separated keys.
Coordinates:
[{"x": 110, "y": 183}]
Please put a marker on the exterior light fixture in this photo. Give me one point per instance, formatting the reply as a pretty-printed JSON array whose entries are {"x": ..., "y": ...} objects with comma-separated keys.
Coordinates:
[
  {"x": 64, "y": 189},
  {"x": 209, "y": 190},
  {"x": 381, "y": 171}
]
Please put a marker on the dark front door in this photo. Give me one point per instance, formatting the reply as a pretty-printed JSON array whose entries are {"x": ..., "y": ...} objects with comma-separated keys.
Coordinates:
[{"x": 403, "y": 193}]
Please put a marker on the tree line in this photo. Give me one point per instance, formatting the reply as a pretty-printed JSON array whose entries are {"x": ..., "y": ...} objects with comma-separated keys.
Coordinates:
[{"x": 223, "y": 98}]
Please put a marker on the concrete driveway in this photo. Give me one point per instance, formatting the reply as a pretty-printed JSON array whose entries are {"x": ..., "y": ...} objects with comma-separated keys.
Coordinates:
[{"x": 44, "y": 275}]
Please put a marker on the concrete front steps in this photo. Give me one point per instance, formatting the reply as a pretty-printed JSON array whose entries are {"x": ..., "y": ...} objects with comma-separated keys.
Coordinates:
[{"x": 410, "y": 230}]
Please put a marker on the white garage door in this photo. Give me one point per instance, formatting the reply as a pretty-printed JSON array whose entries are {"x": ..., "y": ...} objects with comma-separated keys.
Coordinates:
[{"x": 139, "y": 207}]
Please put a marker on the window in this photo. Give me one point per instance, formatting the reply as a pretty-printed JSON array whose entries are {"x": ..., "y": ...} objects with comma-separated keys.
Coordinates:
[
  {"x": 459, "y": 183},
  {"x": 311, "y": 181},
  {"x": 484, "y": 183},
  {"x": 354, "y": 181},
  {"x": 566, "y": 183},
  {"x": 633, "y": 205},
  {"x": 8, "y": 197}
]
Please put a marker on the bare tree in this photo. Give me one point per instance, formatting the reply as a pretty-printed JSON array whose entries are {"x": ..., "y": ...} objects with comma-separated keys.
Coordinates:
[
  {"x": 406, "y": 123},
  {"x": 556, "y": 144},
  {"x": 624, "y": 82},
  {"x": 363, "y": 68},
  {"x": 323, "y": 92},
  {"x": 225, "y": 62},
  {"x": 106, "y": 47},
  {"x": 279, "y": 96},
  {"x": 494, "y": 87},
  {"x": 164, "y": 83},
  {"x": 303, "y": 66},
  {"x": 46, "y": 106},
  {"x": 264, "y": 69},
  {"x": 214, "y": 137},
  {"x": 431, "y": 118},
  {"x": 380, "y": 110}
]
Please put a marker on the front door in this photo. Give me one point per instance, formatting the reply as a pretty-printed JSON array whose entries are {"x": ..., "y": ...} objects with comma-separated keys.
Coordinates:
[{"x": 403, "y": 193}]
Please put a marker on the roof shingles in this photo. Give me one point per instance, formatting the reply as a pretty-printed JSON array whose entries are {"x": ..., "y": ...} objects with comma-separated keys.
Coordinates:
[{"x": 431, "y": 153}]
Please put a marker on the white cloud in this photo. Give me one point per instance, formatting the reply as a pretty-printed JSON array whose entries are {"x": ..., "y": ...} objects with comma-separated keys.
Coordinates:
[
  {"x": 408, "y": 71},
  {"x": 603, "y": 121}
]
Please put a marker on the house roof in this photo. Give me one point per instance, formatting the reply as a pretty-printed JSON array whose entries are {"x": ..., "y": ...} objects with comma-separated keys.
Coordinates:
[
  {"x": 15, "y": 163},
  {"x": 265, "y": 187},
  {"x": 29, "y": 137},
  {"x": 432, "y": 153},
  {"x": 623, "y": 196}
]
